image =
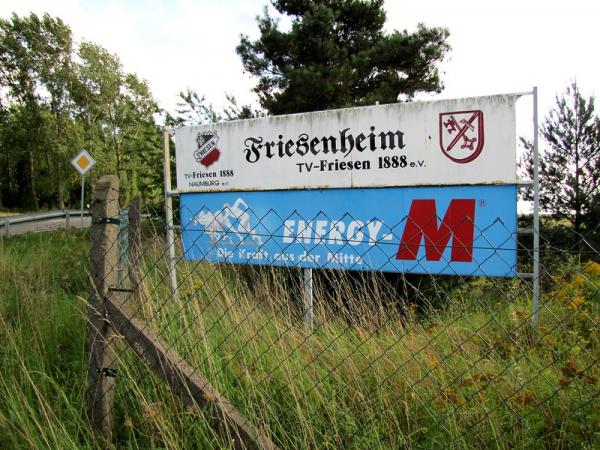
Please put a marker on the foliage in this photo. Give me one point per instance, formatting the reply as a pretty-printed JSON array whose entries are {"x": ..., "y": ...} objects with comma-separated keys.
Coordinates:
[
  {"x": 336, "y": 54},
  {"x": 33, "y": 59},
  {"x": 570, "y": 164},
  {"x": 192, "y": 109},
  {"x": 57, "y": 98}
]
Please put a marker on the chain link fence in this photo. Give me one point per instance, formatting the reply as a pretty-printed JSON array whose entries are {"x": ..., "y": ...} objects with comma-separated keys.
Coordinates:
[{"x": 374, "y": 360}]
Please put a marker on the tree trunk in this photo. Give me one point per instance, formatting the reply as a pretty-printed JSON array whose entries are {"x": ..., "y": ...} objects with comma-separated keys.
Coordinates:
[
  {"x": 578, "y": 202},
  {"x": 34, "y": 121},
  {"x": 32, "y": 201},
  {"x": 6, "y": 180},
  {"x": 59, "y": 188},
  {"x": 60, "y": 203}
]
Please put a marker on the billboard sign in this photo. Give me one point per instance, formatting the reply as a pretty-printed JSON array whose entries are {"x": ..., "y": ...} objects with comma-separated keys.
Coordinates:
[
  {"x": 463, "y": 230},
  {"x": 449, "y": 142}
]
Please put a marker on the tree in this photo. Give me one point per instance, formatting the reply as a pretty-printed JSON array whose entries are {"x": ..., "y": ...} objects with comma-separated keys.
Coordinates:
[
  {"x": 192, "y": 110},
  {"x": 234, "y": 111},
  {"x": 56, "y": 99},
  {"x": 99, "y": 103},
  {"x": 117, "y": 110},
  {"x": 57, "y": 75},
  {"x": 19, "y": 68},
  {"x": 141, "y": 140},
  {"x": 570, "y": 163},
  {"x": 35, "y": 55},
  {"x": 337, "y": 55}
]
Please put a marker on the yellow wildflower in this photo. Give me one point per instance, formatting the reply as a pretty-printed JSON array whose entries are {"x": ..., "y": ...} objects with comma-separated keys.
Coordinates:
[
  {"x": 592, "y": 268},
  {"x": 576, "y": 302}
]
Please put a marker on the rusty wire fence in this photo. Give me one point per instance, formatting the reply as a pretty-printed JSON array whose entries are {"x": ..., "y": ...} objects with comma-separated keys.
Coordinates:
[{"x": 386, "y": 361}]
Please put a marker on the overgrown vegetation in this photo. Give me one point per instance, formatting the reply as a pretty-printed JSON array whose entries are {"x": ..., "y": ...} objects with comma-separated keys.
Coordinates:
[
  {"x": 380, "y": 370},
  {"x": 59, "y": 96},
  {"x": 570, "y": 160}
]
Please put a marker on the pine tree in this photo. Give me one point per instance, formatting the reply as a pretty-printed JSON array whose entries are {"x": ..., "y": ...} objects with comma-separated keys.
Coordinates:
[
  {"x": 336, "y": 54},
  {"x": 570, "y": 163}
]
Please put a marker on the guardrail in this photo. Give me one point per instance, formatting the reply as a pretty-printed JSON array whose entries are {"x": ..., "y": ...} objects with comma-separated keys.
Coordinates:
[{"x": 68, "y": 214}]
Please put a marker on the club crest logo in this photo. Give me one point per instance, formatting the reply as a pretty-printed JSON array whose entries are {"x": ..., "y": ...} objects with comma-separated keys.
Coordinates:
[
  {"x": 461, "y": 135},
  {"x": 207, "y": 152}
]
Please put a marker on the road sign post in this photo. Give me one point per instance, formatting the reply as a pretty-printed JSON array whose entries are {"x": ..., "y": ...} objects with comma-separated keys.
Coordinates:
[
  {"x": 82, "y": 196},
  {"x": 82, "y": 163}
]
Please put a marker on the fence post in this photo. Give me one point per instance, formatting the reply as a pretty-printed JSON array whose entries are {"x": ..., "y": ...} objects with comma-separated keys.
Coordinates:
[
  {"x": 135, "y": 254},
  {"x": 103, "y": 268},
  {"x": 7, "y": 227},
  {"x": 68, "y": 219}
]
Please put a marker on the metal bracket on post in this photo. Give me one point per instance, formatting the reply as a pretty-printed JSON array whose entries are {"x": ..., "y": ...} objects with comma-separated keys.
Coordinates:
[
  {"x": 82, "y": 197},
  {"x": 106, "y": 221},
  {"x": 108, "y": 372}
]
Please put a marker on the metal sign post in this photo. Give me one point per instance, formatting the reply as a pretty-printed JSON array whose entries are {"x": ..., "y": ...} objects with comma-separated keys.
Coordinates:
[
  {"x": 82, "y": 163},
  {"x": 82, "y": 196},
  {"x": 534, "y": 275},
  {"x": 169, "y": 215},
  {"x": 536, "y": 212}
]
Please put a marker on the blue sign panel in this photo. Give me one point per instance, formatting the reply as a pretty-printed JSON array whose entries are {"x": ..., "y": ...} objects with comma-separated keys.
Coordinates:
[{"x": 461, "y": 230}]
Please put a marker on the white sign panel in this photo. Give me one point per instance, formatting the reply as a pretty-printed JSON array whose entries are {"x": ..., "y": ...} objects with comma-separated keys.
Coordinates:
[
  {"x": 83, "y": 162},
  {"x": 449, "y": 142}
]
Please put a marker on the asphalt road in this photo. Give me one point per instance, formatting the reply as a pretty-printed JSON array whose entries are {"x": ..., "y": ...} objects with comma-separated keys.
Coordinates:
[{"x": 44, "y": 225}]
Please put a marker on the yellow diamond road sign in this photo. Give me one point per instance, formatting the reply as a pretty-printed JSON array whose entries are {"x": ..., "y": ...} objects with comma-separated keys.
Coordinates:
[{"x": 83, "y": 162}]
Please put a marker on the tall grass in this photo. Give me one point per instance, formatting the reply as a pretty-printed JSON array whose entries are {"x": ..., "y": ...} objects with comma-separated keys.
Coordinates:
[
  {"x": 42, "y": 358},
  {"x": 448, "y": 365}
]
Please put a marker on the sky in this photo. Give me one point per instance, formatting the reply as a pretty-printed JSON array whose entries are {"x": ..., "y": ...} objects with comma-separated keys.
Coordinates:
[{"x": 497, "y": 47}]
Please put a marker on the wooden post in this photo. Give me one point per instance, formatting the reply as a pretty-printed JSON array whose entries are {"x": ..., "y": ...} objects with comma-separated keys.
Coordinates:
[
  {"x": 103, "y": 271},
  {"x": 195, "y": 391}
]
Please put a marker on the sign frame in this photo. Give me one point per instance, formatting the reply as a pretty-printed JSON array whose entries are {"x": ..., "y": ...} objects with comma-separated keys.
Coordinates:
[
  {"x": 534, "y": 183},
  {"x": 534, "y": 276}
]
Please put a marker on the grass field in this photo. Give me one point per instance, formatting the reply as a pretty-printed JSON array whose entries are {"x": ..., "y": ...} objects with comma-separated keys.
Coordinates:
[{"x": 470, "y": 374}]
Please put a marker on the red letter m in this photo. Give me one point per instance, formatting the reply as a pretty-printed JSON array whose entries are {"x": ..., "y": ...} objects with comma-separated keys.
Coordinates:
[{"x": 459, "y": 222}]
